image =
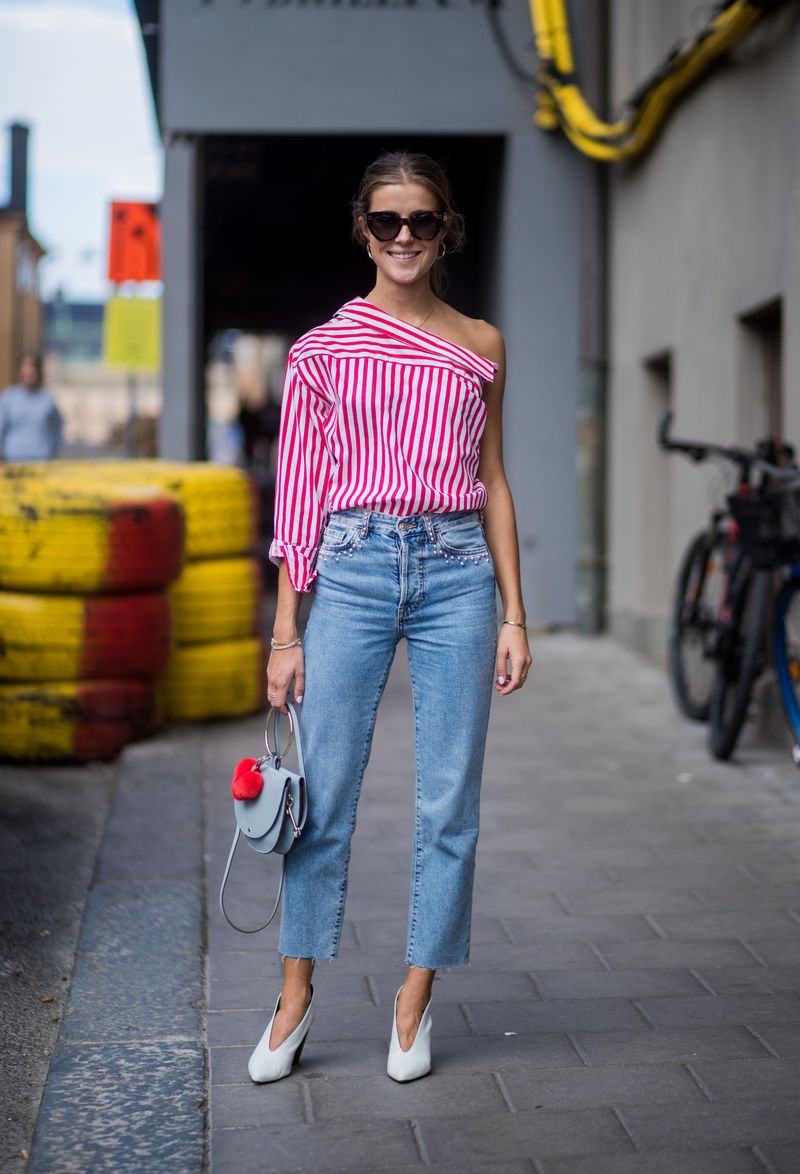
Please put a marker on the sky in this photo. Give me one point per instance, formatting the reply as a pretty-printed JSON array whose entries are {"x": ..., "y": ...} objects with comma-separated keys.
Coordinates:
[{"x": 74, "y": 71}]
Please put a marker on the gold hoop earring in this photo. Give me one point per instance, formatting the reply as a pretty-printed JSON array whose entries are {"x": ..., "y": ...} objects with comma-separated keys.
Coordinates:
[
  {"x": 369, "y": 253},
  {"x": 444, "y": 250}
]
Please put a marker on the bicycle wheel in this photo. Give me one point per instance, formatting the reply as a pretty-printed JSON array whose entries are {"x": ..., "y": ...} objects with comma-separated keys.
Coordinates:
[
  {"x": 786, "y": 642},
  {"x": 695, "y": 611},
  {"x": 741, "y": 657}
]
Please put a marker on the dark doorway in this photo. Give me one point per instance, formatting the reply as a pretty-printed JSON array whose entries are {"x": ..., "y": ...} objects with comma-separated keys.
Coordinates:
[{"x": 276, "y": 225}]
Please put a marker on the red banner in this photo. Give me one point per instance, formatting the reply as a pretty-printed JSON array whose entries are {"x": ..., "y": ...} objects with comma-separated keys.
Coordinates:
[{"x": 134, "y": 252}]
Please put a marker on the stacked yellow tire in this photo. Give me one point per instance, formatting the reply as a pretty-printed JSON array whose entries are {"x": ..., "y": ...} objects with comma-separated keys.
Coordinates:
[{"x": 92, "y": 644}]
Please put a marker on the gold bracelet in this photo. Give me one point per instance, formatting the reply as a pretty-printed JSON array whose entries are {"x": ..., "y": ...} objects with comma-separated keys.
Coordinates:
[
  {"x": 515, "y": 624},
  {"x": 291, "y": 644}
]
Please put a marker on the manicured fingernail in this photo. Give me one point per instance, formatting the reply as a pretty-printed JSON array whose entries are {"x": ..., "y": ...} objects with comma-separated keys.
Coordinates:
[
  {"x": 299, "y": 697},
  {"x": 501, "y": 680}
]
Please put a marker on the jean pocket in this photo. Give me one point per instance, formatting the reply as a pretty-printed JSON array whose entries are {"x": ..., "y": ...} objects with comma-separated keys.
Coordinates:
[
  {"x": 464, "y": 538},
  {"x": 339, "y": 536}
]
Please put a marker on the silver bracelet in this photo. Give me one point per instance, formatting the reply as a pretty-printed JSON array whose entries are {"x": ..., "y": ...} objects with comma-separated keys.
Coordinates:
[{"x": 292, "y": 643}]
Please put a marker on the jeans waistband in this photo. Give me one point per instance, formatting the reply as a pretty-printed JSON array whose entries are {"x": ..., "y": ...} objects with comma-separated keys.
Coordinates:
[{"x": 431, "y": 523}]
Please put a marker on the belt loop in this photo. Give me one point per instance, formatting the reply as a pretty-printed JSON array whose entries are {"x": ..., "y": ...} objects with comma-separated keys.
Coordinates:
[
  {"x": 365, "y": 522},
  {"x": 429, "y": 527}
]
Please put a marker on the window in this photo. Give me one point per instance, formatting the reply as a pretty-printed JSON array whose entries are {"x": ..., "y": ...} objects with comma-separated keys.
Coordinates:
[{"x": 760, "y": 392}]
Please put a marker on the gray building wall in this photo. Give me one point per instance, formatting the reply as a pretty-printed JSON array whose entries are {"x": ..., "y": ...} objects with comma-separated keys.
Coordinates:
[
  {"x": 704, "y": 231},
  {"x": 228, "y": 67}
]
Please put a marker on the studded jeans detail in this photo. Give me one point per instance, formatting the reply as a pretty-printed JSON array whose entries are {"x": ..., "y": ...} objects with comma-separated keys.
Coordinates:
[{"x": 428, "y": 578}]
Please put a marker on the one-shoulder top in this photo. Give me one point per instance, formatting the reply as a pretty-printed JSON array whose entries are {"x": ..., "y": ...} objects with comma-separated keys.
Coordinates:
[{"x": 375, "y": 413}]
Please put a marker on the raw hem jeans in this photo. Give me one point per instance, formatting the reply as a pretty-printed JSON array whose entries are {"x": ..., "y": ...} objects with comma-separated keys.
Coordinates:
[{"x": 381, "y": 577}]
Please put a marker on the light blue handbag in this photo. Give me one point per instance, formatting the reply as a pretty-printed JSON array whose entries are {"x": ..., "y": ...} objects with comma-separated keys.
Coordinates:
[{"x": 273, "y": 820}]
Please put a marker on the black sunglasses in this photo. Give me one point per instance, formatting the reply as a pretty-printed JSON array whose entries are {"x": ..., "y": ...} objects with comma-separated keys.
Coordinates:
[{"x": 423, "y": 226}]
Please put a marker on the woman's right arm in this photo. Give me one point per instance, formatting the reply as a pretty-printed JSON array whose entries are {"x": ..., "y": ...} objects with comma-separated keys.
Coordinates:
[
  {"x": 301, "y": 483},
  {"x": 285, "y": 665}
]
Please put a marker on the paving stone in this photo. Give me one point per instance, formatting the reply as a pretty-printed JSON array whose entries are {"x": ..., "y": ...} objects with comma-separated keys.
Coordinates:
[
  {"x": 628, "y": 900},
  {"x": 776, "y": 951},
  {"x": 745, "y": 1009},
  {"x": 681, "y": 1045},
  {"x": 744, "y": 896},
  {"x": 736, "y": 980},
  {"x": 242, "y": 1106},
  {"x": 600, "y": 855},
  {"x": 688, "y": 876},
  {"x": 228, "y": 1064},
  {"x": 601, "y": 1084},
  {"x": 541, "y": 955},
  {"x": 524, "y": 880},
  {"x": 675, "y": 1162},
  {"x": 782, "y": 1159},
  {"x": 138, "y": 919},
  {"x": 582, "y": 929},
  {"x": 244, "y": 965},
  {"x": 442, "y": 1094},
  {"x": 554, "y": 1015},
  {"x": 509, "y": 1167},
  {"x": 122, "y": 998},
  {"x": 259, "y": 993},
  {"x": 782, "y": 1038},
  {"x": 576, "y": 984},
  {"x": 122, "y": 1109},
  {"x": 328, "y": 1146},
  {"x": 750, "y": 925},
  {"x": 536, "y": 1134},
  {"x": 711, "y": 1126},
  {"x": 659, "y": 954},
  {"x": 531, "y": 904},
  {"x": 490, "y": 1053},
  {"x": 736, "y": 1079},
  {"x": 463, "y": 984}
]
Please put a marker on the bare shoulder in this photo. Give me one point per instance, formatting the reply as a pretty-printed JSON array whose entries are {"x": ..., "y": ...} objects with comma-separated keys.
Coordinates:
[{"x": 476, "y": 335}]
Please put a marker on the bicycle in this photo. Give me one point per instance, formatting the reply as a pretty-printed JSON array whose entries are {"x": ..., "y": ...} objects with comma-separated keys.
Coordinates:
[{"x": 717, "y": 644}]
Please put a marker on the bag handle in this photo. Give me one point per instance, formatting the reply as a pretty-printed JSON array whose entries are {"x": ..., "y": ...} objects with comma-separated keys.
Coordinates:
[
  {"x": 225, "y": 875},
  {"x": 274, "y": 716}
]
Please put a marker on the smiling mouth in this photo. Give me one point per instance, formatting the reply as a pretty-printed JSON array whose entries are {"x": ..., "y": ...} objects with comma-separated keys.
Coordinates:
[{"x": 404, "y": 256}]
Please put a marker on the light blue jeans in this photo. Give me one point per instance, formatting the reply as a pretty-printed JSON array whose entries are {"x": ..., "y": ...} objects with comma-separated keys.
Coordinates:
[{"x": 380, "y": 577}]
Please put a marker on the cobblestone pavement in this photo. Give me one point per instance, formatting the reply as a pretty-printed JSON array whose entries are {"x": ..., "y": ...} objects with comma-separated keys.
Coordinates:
[{"x": 633, "y": 1003}]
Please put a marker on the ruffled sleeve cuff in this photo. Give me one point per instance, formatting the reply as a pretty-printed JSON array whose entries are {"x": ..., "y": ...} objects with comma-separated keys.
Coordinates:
[{"x": 301, "y": 562}]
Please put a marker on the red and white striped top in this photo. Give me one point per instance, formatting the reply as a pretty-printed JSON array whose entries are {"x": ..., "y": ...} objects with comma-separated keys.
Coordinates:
[{"x": 375, "y": 413}]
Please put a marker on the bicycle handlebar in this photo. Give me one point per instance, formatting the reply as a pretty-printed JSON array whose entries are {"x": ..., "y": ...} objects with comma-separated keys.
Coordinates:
[{"x": 746, "y": 459}]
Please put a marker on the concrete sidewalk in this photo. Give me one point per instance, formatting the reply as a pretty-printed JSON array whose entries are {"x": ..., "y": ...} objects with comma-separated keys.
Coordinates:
[{"x": 633, "y": 1002}]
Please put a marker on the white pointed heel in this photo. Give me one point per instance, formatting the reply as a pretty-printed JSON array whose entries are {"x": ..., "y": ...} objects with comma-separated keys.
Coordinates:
[
  {"x": 267, "y": 1064},
  {"x": 416, "y": 1062}
]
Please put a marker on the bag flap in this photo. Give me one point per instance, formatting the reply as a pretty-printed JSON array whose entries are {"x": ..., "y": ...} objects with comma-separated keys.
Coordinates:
[{"x": 256, "y": 816}]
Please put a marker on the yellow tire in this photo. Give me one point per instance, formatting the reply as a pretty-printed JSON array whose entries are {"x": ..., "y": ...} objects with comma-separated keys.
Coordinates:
[
  {"x": 64, "y": 638},
  {"x": 223, "y": 679},
  {"x": 217, "y": 599},
  {"x": 220, "y": 503},
  {"x": 57, "y": 536},
  {"x": 81, "y": 720}
]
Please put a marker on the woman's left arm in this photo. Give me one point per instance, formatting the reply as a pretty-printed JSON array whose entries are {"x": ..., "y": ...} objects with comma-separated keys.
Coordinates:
[{"x": 501, "y": 528}]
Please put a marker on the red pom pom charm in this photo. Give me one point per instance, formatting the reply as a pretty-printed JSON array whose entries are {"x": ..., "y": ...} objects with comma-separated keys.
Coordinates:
[{"x": 247, "y": 780}]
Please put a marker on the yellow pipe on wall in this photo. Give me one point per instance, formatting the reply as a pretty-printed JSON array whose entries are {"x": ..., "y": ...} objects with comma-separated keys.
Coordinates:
[{"x": 560, "y": 102}]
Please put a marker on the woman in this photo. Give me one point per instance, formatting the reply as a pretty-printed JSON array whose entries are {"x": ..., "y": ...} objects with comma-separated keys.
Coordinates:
[{"x": 390, "y": 448}]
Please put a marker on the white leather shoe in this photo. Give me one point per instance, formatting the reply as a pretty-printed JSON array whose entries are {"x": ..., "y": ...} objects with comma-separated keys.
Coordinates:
[
  {"x": 416, "y": 1062},
  {"x": 267, "y": 1064}
]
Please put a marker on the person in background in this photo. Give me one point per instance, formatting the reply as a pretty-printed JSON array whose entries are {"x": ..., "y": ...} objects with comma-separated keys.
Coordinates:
[{"x": 31, "y": 427}]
